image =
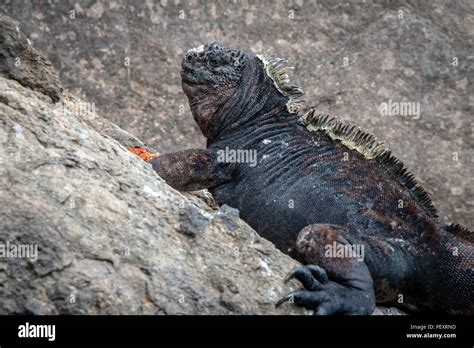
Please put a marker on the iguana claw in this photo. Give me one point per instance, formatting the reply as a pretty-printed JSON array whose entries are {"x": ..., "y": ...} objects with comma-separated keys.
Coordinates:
[
  {"x": 326, "y": 297},
  {"x": 312, "y": 277},
  {"x": 309, "y": 299}
]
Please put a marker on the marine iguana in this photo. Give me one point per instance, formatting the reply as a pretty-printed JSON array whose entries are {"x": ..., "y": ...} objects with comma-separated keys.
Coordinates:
[{"x": 320, "y": 187}]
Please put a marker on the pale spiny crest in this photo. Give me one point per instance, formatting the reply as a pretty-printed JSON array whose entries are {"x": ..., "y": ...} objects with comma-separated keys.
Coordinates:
[
  {"x": 277, "y": 71},
  {"x": 348, "y": 134},
  {"x": 367, "y": 145}
]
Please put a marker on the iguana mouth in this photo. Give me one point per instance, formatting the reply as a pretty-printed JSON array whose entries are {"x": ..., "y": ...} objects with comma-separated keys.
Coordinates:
[
  {"x": 187, "y": 73},
  {"x": 194, "y": 74}
]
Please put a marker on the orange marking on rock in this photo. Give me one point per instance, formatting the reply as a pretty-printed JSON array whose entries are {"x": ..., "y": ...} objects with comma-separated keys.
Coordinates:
[{"x": 143, "y": 154}]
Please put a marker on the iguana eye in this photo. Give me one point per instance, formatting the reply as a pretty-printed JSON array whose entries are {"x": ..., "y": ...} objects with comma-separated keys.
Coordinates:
[{"x": 214, "y": 63}]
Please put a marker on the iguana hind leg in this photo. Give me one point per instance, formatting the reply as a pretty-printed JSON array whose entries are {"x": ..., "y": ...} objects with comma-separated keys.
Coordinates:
[{"x": 334, "y": 282}]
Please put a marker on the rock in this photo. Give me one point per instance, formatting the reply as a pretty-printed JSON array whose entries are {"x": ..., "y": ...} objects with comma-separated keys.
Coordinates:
[
  {"x": 349, "y": 56},
  {"x": 89, "y": 228},
  {"x": 21, "y": 62},
  {"x": 111, "y": 236}
]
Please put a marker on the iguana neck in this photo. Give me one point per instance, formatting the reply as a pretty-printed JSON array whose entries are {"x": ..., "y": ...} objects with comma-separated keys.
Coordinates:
[{"x": 254, "y": 104}]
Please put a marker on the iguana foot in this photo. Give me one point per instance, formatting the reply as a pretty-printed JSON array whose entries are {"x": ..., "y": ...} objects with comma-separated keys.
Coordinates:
[
  {"x": 327, "y": 297},
  {"x": 340, "y": 284}
]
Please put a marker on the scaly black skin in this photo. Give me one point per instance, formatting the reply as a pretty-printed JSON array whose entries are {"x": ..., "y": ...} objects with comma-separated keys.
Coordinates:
[{"x": 309, "y": 191}]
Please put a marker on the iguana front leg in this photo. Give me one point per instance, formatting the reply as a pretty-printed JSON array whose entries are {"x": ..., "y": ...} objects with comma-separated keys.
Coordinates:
[
  {"x": 333, "y": 284},
  {"x": 192, "y": 169}
]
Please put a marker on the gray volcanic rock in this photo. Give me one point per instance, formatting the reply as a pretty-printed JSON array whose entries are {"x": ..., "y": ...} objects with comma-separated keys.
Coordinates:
[
  {"x": 21, "y": 62},
  {"x": 111, "y": 236},
  {"x": 351, "y": 57}
]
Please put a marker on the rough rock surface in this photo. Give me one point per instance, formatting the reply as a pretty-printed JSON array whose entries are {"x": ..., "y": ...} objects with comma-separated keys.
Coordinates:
[
  {"x": 21, "y": 62},
  {"x": 112, "y": 237},
  {"x": 350, "y": 56}
]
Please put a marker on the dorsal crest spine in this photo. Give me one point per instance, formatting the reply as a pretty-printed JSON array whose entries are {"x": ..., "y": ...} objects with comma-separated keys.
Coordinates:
[
  {"x": 461, "y": 231},
  {"x": 367, "y": 145},
  {"x": 278, "y": 72},
  {"x": 349, "y": 135}
]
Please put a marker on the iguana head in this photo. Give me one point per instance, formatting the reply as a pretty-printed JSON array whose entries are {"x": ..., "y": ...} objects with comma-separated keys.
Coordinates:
[{"x": 227, "y": 87}]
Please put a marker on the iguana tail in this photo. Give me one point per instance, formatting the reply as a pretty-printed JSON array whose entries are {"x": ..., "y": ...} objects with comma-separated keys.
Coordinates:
[{"x": 449, "y": 271}]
